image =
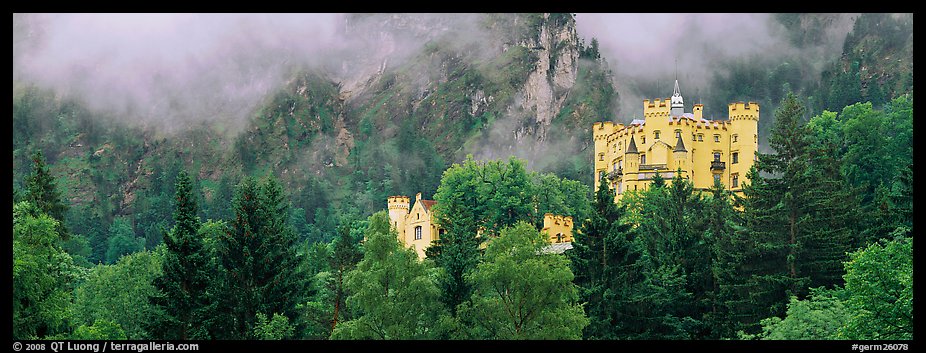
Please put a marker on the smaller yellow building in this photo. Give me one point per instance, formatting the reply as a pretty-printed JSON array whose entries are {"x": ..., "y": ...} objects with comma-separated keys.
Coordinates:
[
  {"x": 416, "y": 226},
  {"x": 559, "y": 228}
]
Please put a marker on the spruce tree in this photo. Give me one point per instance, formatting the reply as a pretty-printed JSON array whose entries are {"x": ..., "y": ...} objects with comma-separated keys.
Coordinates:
[
  {"x": 726, "y": 251},
  {"x": 798, "y": 218},
  {"x": 182, "y": 288},
  {"x": 603, "y": 260},
  {"x": 42, "y": 192},
  {"x": 259, "y": 259},
  {"x": 345, "y": 255}
]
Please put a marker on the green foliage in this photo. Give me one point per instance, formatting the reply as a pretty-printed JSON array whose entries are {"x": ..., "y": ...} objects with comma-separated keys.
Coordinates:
[
  {"x": 117, "y": 295},
  {"x": 603, "y": 260},
  {"x": 182, "y": 299},
  {"x": 122, "y": 240},
  {"x": 43, "y": 275},
  {"x": 819, "y": 317},
  {"x": 522, "y": 293},
  {"x": 259, "y": 259},
  {"x": 801, "y": 219},
  {"x": 873, "y": 149},
  {"x": 100, "y": 330},
  {"x": 396, "y": 296},
  {"x": 42, "y": 192},
  {"x": 277, "y": 328},
  {"x": 879, "y": 280}
]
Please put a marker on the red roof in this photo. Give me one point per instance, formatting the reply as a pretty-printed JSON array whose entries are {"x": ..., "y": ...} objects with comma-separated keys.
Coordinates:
[{"x": 427, "y": 204}]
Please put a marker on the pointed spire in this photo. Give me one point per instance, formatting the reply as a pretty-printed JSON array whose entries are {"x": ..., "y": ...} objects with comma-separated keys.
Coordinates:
[
  {"x": 676, "y": 92},
  {"x": 632, "y": 147},
  {"x": 680, "y": 145}
]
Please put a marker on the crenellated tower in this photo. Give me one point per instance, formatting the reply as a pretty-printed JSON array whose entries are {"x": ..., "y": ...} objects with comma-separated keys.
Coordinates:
[{"x": 398, "y": 209}]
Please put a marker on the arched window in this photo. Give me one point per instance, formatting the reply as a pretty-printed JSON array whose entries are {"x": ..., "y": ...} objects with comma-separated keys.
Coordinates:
[
  {"x": 656, "y": 134},
  {"x": 418, "y": 233},
  {"x": 559, "y": 237}
]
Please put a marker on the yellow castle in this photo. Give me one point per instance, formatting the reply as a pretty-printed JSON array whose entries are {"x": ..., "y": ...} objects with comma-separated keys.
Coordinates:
[
  {"x": 668, "y": 139},
  {"x": 417, "y": 226}
]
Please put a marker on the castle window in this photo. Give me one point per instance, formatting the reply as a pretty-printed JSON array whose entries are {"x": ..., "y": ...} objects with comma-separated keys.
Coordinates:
[
  {"x": 418, "y": 233},
  {"x": 716, "y": 138},
  {"x": 716, "y": 178},
  {"x": 600, "y": 174},
  {"x": 418, "y": 215},
  {"x": 701, "y": 137},
  {"x": 736, "y": 180},
  {"x": 693, "y": 137},
  {"x": 678, "y": 133},
  {"x": 716, "y": 156},
  {"x": 756, "y": 137},
  {"x": 656, "y": 134},
  {"x": 601, "y": 156},
  {"x": 736, "y": 157},
  {"x": 644, "y": 139},
  {"x": 559, "y": 237},
  {"x": 735, "y": 137},
  {"x": 642, "y": 159}
]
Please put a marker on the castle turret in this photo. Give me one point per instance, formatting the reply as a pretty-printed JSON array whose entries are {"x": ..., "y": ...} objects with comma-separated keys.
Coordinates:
[
  {"x": 398, "y": 210},
  {"x": 680, "y": 154}
]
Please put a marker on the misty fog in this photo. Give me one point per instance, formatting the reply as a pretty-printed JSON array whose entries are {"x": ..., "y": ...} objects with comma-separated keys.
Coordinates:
[{"x": 164, "y": 70}]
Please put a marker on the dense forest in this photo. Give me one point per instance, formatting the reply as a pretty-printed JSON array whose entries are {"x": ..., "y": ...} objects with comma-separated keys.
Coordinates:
[{"x": 278, "y": 231}]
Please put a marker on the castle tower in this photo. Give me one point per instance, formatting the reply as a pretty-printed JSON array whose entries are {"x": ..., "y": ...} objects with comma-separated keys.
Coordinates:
[
  {"x": 680, "y": 154},
  {"x": 398, "y": 210},
  {"x": 678, "y": 104},
  {"x": 744, "y": 139},
  {"x": 600, "y": 132}
]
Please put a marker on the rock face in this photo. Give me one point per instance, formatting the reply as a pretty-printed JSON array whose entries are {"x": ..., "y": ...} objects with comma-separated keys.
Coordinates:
[{"x": 556, "y": 49}]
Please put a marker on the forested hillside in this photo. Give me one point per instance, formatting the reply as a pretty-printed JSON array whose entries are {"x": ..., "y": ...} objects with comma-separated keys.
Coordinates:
[{"x": 123, "y": 229}]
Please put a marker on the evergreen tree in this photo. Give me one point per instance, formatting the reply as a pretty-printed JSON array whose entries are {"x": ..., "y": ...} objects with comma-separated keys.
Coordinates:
[
  {"x": 42, "y": 192},
  {"x": 798, "y": 217},
  {"x": 259, "y": 259},
  {"x": 603, "y": 260},
  {"x": 726, "y": 252},
  {"x": 345, "y": 254},
  {"x": 673, "y": 262},
  {"x": 122, "y": 240},
  {"x": 182, "y": 287}
]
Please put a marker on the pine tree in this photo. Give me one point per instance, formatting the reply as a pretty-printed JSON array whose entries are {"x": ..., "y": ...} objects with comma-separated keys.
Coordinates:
[
  {"x": 259, "y": 258},
  {"x": 182, "y": 288},
  {"x": 798, "y": 217},
  {"x": 42, "y": 192},
  {"x": 726, "y": 251},
  {"x": 345, "y": 255},
  {"x": 603, "y": 260}
]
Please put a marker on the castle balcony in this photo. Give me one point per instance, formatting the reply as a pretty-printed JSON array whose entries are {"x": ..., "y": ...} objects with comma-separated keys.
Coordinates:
[
  {"x": 653, "y": 167},
  {"x": 616, "y": 175},
  {"x": 718, "y": 166}
]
